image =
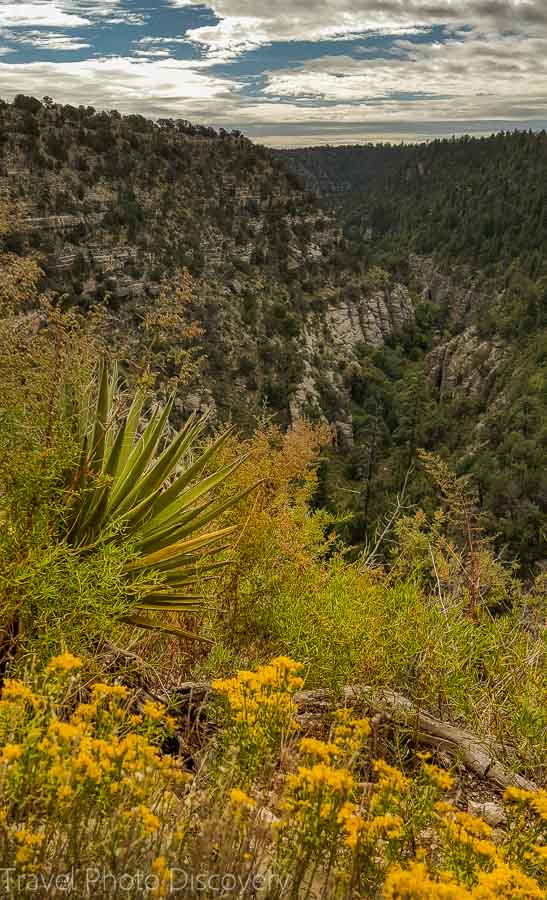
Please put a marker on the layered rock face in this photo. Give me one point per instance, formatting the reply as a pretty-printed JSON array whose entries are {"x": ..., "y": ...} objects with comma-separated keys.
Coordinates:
[
  {"x": 465, "y": 363},
  {"x": 370, "y": 320},
  {"x": 331, "y": 340}
]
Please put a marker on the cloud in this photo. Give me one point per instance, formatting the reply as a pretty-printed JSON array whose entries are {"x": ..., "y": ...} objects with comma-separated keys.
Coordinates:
[
  {"x": 47, "y": 40},
  {"x": 38, "y": 14},
  {"x": 66, "y": 13},
  {"x": 485, "y": 75},
  {"x": 150, "y": 87},
  {"x": 244, "y": 26},
  {"x": 152, "y": 52}
]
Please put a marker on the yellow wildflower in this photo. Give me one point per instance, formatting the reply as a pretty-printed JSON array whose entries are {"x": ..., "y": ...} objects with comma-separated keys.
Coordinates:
[
  {"x": 313, "y": 747},
  {"x": 66, "y": 662},
  {"x": 321, "y": 775},
  {"x": 150, "y": 821},
  {"x": 441, "y": 779},
  {"x": 241, "y": 799},
  {"x": 23, "y": 855},
  {"x": 506, "y": 883},
  {"x": 424, "y": 755},
  {"x": 64, "y": 792},
  {"x": 390, "y": 778},
  {"x": 388, "y": 826},
  {"x": 10, "y": 752},
  {"x": 414, "y": 883},
  {"x": 64, "y": 730},
  {"x": 109, "y": 690},
  {"x": 16, "y": 690},
  {"x": 472, "y": 824},
  {"x": 154, "y": 711}
]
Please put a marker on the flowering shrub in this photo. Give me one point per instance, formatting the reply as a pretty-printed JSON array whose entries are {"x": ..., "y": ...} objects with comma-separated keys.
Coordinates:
[
  {"x": 86, "y": 788},
  {"x": 83, "y": 786},
  {"x": 261, "y": 713}
]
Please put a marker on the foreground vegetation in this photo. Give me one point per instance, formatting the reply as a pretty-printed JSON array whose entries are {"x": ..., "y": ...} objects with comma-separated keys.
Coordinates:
[{"x": 87, "y": 792}]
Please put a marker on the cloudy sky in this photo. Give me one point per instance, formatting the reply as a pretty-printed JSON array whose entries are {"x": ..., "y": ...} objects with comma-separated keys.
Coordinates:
[{"x": 289, "y": 72}]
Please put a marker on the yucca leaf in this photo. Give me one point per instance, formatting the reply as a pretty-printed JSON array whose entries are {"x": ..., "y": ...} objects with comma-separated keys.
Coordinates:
[
  {"x": 201, "y": 520},
  {"x": 179, "y": 608},
  {"x": 151, "y": 626},
  {"x": 187, "y": 477},
  {"x": 153, "y": 480},
  {"x": 167, "y": 533},
  {"x": 165, "y": 568},
  {"x": 180, "y": 549},
  {"x": 191, "y": 495},
  {"x": 139, "y": 512},
  {"x": 129, "y": 431},
  {"x": 137, "y": 465},
  {"x": 193, "y": 520},
  {"x": 184, "y": 575},
  {"x": 101, "y": 421}
]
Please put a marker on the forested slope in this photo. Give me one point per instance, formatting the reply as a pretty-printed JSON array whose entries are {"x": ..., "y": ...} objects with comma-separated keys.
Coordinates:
[
  {"x": 464, "y": 223},
  {"x": 397, "y": 293}
]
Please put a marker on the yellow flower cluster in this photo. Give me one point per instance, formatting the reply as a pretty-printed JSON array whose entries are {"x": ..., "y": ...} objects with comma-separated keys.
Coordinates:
[
  {"x": 504, "y": 882},
  {"x": 390, "y": 780},
  {"x": 240, "y": 799},
  {"x": 14, "y": 690},
  {"x": 11, "y": 752},
  {"x": 320, "y": 776},
  {"x": 27, "y": 843},
  {"x": 149, "y": 821},
  {"x": 66, "y": 662},
  {"x": 534, "y": 802},
  {"x": 262, "y": 710},
  {"x": 322, "y": 750},
  {"x": 368, "y": 830},
  {"x": 349, "y": 733},
  {"x": 89, "y": 781},
  {"x": 270, "y": 686},
  {"x": 438, "y": 777},
  {"x": 414, "y": 882}
]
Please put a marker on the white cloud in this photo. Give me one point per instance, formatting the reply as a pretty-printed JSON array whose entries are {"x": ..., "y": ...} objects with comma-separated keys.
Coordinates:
[
  {"x": 38, "y": 14},
  {"x": 65, "y": 13},
  {"x": 245, "y": 25},
  {"x": 47, "y": 40},
  {"x": 151, "y": 87},
  {"x": 152, "y": 52},
  {"x": 486, "y": 75}
]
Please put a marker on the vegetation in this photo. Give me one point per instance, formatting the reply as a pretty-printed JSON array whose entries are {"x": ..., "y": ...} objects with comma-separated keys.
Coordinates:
[
  {"x": 124, "y": 491},
  {"x": 121, "y": 507},
  {"x": 86, "y": 790},
  {"x": 476, "y": 208}
]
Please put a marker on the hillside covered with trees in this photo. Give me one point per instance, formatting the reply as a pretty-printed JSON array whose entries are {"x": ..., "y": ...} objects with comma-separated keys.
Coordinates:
[
  {"x": 397, "y": 293},
  {"x": 464, "y": 221}
]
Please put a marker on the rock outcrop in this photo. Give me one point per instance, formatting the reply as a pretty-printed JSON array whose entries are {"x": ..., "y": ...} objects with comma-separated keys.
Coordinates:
[{"x": 465, "y": 364}]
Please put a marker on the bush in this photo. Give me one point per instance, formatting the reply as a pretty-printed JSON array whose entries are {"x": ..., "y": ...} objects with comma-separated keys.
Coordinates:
[{"x": 88, "y": 791}]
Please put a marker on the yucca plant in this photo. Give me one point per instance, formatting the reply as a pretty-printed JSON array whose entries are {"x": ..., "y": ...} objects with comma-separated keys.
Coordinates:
[{"x": 131, "y": 486}]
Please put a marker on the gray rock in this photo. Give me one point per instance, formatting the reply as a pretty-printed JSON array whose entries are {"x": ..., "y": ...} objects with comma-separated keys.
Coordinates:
[{"x": 492, "y": 813}]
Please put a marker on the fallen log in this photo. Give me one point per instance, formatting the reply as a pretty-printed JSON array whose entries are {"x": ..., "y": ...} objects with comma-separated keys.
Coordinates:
[{"x": 476, "y": 754}]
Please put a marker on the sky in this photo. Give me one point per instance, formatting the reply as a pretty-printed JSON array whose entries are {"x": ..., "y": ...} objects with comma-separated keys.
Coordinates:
[{"x": 289, "y": 72}]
